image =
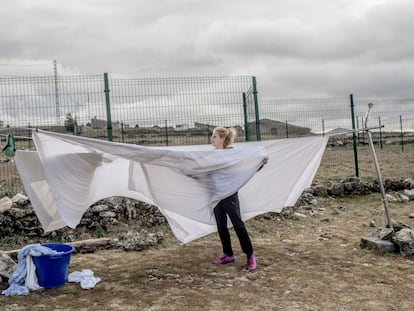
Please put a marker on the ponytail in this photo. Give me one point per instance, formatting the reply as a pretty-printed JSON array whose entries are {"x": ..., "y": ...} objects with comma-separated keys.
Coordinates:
[{"x": 229, "y": 134}]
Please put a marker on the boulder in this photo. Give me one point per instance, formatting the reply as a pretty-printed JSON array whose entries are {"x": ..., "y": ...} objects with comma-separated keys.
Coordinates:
[
  {"x": 20, "y": 199},
  {"x": 7, "y": 265},
  {"x": 405, "y": 240},
  {"x": 5, "y": 204},
  {"x": 409, "y": 193}
]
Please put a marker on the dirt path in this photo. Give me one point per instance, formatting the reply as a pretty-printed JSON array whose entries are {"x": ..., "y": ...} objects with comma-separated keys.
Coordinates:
[{"x": 307, "y": 264}]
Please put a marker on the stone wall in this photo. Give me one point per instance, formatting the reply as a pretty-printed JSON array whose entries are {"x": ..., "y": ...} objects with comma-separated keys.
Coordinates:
[{"x": 17, "y": 218}]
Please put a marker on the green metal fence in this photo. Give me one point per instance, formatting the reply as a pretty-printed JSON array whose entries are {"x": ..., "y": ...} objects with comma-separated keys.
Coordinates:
[
  {"x": 184, "y": 110},
  {"x": 94, "y": 105},
  {"x": 251, "y": 113},
  {"x": 145, "y": 111},
  {"x": 176, "y": 111},
  {"x": 345, "y": 156},
  {"x": 394, "y": 139}
]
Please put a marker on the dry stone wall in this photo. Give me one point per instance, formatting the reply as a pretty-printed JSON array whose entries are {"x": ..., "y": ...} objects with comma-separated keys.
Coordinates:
[{"x": 17, "y": 218}]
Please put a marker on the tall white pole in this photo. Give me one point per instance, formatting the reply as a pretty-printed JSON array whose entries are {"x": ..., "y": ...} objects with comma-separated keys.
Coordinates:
[{"x": 377, "y": 170}]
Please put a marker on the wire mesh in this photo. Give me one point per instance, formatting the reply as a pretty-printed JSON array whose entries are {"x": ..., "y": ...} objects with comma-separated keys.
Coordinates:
[
  {"x": 146, "y": 111},
  {"x": 394, "y": 143},
  {"x": 184, "y": 110},
  {"x": 175, "y": 111}
]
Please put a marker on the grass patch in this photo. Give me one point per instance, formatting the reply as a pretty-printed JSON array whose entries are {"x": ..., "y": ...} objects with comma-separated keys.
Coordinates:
[{"x": 313, "y": 263}]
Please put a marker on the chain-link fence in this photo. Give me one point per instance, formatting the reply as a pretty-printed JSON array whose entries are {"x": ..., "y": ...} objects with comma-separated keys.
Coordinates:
[
  {"x": 393, "y": 136},
  {"x": 184, "y": 110},
  {"x": 145, "y": 111}
]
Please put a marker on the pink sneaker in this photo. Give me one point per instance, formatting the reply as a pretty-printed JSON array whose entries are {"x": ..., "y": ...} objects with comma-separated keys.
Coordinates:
[
  {"x": 225, "y": 260},
  {"x": 251, "y": 263}
]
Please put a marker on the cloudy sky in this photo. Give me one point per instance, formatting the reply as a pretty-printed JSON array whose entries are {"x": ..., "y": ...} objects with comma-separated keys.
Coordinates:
[{"x": 295, "y": 48}]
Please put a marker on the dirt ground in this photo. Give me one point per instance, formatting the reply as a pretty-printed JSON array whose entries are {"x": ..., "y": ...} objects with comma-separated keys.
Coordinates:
[{"x": 312, "y": 263}]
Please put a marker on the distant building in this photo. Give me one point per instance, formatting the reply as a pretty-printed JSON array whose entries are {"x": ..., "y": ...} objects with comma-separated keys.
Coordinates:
[
  {"x": 339, "y": 131},
  {"x": 181, "y": 127},
  {"x": 98, "y": 124},
  {"x": 278, "y": 129},
  {"x": 102, "y": 124},
  {"x": 204, "y": 126}
]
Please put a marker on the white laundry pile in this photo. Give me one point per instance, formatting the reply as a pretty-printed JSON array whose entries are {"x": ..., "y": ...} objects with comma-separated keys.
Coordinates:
[
  {"x": 85, "y": 277},
  {"x": 69, "y": 173},
  {"x": 24, "y": 278}
]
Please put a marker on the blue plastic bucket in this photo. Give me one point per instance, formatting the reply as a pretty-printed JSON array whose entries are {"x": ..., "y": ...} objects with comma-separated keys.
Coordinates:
[{"x": 52, "y": 270}]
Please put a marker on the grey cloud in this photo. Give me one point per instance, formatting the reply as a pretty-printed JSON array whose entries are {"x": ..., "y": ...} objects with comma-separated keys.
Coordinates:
[
  {"x": 373, "y": 38},
  {"x": 303, "y": 48}
]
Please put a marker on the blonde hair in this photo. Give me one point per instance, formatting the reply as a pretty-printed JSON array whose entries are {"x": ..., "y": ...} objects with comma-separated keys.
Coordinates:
[{"x": 229, "y": 134}]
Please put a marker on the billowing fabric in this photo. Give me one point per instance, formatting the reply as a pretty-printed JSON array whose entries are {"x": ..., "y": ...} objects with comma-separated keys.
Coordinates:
[{"x": 68, "y": 173}]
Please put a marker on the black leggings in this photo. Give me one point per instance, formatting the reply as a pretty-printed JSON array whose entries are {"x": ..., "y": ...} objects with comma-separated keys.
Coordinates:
[{"x": 230, "y": 206}]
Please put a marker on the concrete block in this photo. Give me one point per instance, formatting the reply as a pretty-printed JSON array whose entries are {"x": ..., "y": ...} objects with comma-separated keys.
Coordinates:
[{"x": 378, "y": 244}]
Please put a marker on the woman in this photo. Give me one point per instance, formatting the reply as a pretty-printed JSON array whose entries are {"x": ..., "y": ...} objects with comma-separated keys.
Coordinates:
[{"x": 223, "y": 138}]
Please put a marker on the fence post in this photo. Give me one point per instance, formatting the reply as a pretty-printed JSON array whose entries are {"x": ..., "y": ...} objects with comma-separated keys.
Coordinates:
[
  {"x": 108, "y": 107},
  {"x": 166, "y": 132},
  {"x": 246, "y": 124},
  {"x": 354, "y": 140},
  {"x": 380, "y": 132},
  {"x": 208, "y": 134},
  {"x": 401, "y": 134},
  {"x": 323, "y": 127},
  {"x": 122, "y": 132},
  {"x": 287, "y": 129},
  {"x": 29, "y": 134},
  {"x": 357, "y": 125},
  {"x": 256, "y": 109}
]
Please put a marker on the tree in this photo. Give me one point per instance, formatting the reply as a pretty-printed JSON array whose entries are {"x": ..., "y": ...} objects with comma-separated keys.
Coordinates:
[{"x": 70, "y": 123}]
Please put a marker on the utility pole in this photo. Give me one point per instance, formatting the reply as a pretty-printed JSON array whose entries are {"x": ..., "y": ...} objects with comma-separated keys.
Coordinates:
[{"x": 56, "y": 92}]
